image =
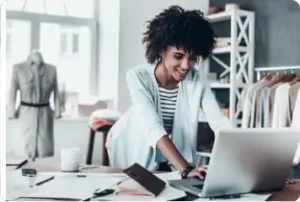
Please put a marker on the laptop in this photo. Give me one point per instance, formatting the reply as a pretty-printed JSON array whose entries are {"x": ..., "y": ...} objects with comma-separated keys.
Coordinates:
[{"x": 246, "y": 160}]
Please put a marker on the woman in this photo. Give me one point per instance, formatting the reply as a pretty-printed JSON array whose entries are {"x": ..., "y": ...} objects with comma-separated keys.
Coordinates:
[{"x": 160, "y": 128}]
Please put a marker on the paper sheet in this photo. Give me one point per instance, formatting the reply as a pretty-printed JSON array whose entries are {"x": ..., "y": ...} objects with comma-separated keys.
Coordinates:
[
  {"x": 169, "y": 193},
  {"x": 245, "y": 197},
  {"x": 18, "y": 185},
  {"x": 72, "y": 187},
  {"x": 169, "y": 176},
  {"x": 75, "y": 174}
]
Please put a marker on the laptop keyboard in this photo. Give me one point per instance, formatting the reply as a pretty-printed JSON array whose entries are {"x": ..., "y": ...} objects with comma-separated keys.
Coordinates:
[{"x": 198, "y": 186}]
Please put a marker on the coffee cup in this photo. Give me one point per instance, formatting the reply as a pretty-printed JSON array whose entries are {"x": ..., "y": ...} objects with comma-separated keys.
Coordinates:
[{"x": 71, "y": 159}]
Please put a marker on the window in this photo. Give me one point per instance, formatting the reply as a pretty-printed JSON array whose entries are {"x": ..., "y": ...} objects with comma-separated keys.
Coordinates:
[
  {"x": 71, "y": 8},
  {"x": 75, "y": 43},
  {"x": 18, "y": 43},
  {"x": 69, "y": 41},
  {"x": 63, "y": 42},
  {"x": 8, "y": 37},
  {"x": 63, "y": 51},
  {"x": 8, "y": 43}
]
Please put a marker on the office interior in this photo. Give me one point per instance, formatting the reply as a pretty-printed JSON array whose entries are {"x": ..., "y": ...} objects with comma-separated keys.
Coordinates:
[{"x": 93, "y": 43}]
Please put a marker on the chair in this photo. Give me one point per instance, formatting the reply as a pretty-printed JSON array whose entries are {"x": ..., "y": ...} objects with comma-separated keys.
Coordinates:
[
  {"x": 105, "y": 120},
  {"x": 104, "y": 130}
]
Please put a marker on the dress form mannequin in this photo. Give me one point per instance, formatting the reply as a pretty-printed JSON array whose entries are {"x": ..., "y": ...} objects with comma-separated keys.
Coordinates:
[{"x": 35, "y": 80}]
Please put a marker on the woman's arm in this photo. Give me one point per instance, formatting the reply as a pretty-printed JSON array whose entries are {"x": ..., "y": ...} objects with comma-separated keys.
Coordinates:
[{"x": 168, "y": 149}]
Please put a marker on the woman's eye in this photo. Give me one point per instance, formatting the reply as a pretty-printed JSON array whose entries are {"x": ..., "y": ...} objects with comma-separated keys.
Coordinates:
[{"x": 178, "y": 57}]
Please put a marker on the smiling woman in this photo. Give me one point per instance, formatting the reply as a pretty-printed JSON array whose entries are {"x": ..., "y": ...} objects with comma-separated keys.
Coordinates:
[{"x": 160, "y": 128}]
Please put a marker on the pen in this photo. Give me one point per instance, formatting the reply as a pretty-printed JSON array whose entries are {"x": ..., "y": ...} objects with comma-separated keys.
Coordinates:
[
  {"x": 105, "y": 188},
  {"x": 21, "y": 164}
]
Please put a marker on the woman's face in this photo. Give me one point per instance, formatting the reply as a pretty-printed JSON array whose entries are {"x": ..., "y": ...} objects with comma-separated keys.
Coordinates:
[{"x": 178, "y": 62}]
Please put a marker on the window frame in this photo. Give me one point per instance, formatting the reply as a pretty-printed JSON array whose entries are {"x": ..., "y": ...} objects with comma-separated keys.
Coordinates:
[
  {"x": 69, "y": 32},
  {"x": 92, "y": 23},
  {"x": 9, "y": 42}
]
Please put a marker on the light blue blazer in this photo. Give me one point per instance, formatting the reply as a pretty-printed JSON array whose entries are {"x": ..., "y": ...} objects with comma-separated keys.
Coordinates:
[{"x": 136, "y": 133}]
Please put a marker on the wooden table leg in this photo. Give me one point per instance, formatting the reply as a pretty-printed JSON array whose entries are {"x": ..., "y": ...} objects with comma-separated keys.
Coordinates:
[
  {"x": 105, "y": 159},
  {"x": 90, "y": 147}
]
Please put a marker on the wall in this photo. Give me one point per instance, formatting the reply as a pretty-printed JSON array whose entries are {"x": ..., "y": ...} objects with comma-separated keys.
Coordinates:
[
  {"x": 109, "y": 24},
  {"x": 277, "y": 30},
  {"x": 133, "y": 15}
]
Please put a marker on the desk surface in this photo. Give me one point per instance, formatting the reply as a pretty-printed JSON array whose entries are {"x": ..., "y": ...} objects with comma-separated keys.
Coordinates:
[{"x": 290, "y": 193}]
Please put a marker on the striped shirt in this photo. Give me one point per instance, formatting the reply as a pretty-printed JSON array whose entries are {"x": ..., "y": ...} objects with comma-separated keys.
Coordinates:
[{"x": 168, "y": 99}]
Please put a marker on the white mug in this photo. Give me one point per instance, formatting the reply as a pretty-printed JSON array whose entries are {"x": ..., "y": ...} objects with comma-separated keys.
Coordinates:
[{"x": 71, "y": 159}]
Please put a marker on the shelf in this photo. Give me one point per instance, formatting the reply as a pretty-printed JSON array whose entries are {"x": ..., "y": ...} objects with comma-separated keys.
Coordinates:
[
  {"x": 226, "y": 15},
  {"x": 221, "y": 16},
  {"x": 228, "y": 49},
  {"x": 220, "y": 85},
  {"x": 223, "y": 85}
]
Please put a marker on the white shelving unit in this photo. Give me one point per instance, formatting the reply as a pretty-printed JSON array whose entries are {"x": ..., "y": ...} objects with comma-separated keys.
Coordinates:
[{"x": 241, "y": 67}]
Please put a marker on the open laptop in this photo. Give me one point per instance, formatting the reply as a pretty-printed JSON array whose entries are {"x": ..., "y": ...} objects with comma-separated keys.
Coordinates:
[{"x": 246, "y": 160}]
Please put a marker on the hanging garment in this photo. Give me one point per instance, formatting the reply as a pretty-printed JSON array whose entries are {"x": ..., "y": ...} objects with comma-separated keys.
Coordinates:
[
  {"x": 247, "y": 103},
  {"x": 269, "y": 105},
  {"x": 255, "y": 100},
  {"x": 296, "y": 124},
  {"x": 293, "y": 96},
  {"x": 260, "y": 107},
  {"x": 281, "y": 106},
  {"x": 296, "y": 112},
  {"x": 34, "y": 114}
]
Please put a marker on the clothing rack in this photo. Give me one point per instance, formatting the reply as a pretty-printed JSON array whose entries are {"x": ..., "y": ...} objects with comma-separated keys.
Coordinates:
[{"x": 277, "y": 70}]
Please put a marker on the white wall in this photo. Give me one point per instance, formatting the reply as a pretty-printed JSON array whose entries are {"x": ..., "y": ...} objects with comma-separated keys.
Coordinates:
[
  {"x": 109, "y": 21},
  {"x": 133, "y": 15}
]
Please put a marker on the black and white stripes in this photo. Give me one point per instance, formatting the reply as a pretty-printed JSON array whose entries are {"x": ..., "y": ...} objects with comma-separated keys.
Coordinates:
[{"x": 168, "y": 99}]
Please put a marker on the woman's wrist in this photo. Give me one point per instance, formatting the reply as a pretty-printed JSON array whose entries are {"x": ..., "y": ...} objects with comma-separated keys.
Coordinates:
[{"x": 184, "y": 173}]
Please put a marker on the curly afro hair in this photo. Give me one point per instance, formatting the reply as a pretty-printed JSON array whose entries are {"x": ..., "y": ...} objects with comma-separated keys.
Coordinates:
[{"x": 187, "y": 29}]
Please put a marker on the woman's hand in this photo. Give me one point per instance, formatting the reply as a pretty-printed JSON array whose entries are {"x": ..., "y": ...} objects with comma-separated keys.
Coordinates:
[
  {"x": 198, "y": 172},
  {"x": 290, "y": 181}
]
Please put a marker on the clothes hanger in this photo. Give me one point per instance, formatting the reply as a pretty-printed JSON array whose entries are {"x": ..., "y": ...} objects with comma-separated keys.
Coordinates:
[
  {"x": 265, "y": 76},
  {"x": 296, "y": 79},
  {"x": 289, "y": 77},
  {"x": 276, "y": 79}
]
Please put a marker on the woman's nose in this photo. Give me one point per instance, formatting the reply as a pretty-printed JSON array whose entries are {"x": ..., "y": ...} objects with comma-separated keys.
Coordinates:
[{"x": 185, "y": 65}]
